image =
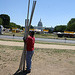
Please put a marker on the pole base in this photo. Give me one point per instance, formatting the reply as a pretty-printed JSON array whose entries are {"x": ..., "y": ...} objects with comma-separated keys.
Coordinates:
[{"x": 20, "y": 72}]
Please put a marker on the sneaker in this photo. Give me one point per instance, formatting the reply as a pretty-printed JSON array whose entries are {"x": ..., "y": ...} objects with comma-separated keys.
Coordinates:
[{"x": 28, "y": 71}]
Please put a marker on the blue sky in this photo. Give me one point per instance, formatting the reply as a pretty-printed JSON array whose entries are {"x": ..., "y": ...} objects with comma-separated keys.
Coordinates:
[{"x": 51, "y": 12}]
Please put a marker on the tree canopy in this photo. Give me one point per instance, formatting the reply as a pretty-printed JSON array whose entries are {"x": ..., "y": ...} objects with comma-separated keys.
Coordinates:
[
  {"x": 5, "y": 20},
  {"x": 60, "y": 28},
  {"x": 71, "y": 25},
  {"x": 0, "y": 21},
  {"x": 14, "y": 25}
]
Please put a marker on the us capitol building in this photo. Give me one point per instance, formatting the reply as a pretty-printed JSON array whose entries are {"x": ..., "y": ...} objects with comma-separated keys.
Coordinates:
[{"x": 39, "y": 26}]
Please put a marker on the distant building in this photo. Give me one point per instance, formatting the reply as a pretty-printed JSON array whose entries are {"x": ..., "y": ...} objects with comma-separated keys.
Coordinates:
[
  {"x": 42, "y": 29},
  {"x": 39, "y": 26}
]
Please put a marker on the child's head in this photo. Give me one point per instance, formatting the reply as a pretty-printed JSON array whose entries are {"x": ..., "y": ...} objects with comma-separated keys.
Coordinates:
[{"x": 32, "y": 33}]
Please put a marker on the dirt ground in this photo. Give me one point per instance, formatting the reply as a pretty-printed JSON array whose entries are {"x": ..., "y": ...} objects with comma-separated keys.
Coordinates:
[
  {"x": 10, "y": 43},
  {"x": 46, "y": 59}
]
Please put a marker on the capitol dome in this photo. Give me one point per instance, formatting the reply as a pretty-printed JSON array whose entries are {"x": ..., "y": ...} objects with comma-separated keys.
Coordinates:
[{"x": 40, "y": 24}]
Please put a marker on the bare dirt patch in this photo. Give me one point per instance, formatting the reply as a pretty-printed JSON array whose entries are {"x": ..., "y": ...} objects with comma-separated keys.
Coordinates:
[
  {"x": 46, "y": 61},
  {"x": 10, "y": 43}
]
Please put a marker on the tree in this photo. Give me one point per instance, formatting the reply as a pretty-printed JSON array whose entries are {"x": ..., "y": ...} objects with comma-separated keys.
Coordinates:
[
  {"x": 60, "y": 28},
  {"x": 71, "y": 21},
  {"x": 13, "y": 25},
  {"x": 31, "y": 27},
  {"x": 50, "y": 30},
  {"x": 18, "y": 26},
  {"x": 6, "y": 20},
  {"x": 71, "y": 25},
  {"x": 0, "y": 21}
]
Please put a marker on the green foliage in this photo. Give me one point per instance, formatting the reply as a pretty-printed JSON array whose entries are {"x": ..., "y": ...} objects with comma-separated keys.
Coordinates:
[
  {"x": 18, "y": 26},
  {"x": 31, "y": 27},
  {"x": 15, "y": 26},
  {"x": 50, "y": 30},
  {"x": 71, "y": 25},
  {"x": 71, "y": 21},
  {"x": 60, "y": 28},
  {"x": 0, "y": 21},
  {"x": 6, "y": 20}
]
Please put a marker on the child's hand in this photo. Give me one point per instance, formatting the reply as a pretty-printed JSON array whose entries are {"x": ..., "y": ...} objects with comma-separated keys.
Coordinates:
[{"x": 24, "y": 39}]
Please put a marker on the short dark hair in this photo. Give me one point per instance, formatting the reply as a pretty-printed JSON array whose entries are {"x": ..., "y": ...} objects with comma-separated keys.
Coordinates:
[{"x": 32, "y": 33}]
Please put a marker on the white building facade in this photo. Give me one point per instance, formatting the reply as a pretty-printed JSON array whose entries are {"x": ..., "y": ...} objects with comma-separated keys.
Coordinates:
[{"x": 39, "y": 26}]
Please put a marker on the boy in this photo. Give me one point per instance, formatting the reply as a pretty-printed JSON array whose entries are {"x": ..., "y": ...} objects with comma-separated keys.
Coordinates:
[{"x": 30, "y": 50}]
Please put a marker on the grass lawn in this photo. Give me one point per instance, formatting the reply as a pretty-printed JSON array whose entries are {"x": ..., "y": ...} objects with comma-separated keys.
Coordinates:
[{"x": 50, "y": 36}]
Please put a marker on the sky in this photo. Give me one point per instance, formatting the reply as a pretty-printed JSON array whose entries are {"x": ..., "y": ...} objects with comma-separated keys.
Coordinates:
[{"x": 51, "y": 12}]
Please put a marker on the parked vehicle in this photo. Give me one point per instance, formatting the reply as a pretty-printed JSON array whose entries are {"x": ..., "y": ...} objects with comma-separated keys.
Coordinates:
[
  {"x": 68, "y": 34},
  {"x": 1, "y": 29}
]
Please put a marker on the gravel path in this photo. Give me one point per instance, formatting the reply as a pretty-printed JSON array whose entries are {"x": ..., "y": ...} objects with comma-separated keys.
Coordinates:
[{"x": 10, "y": 43}]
